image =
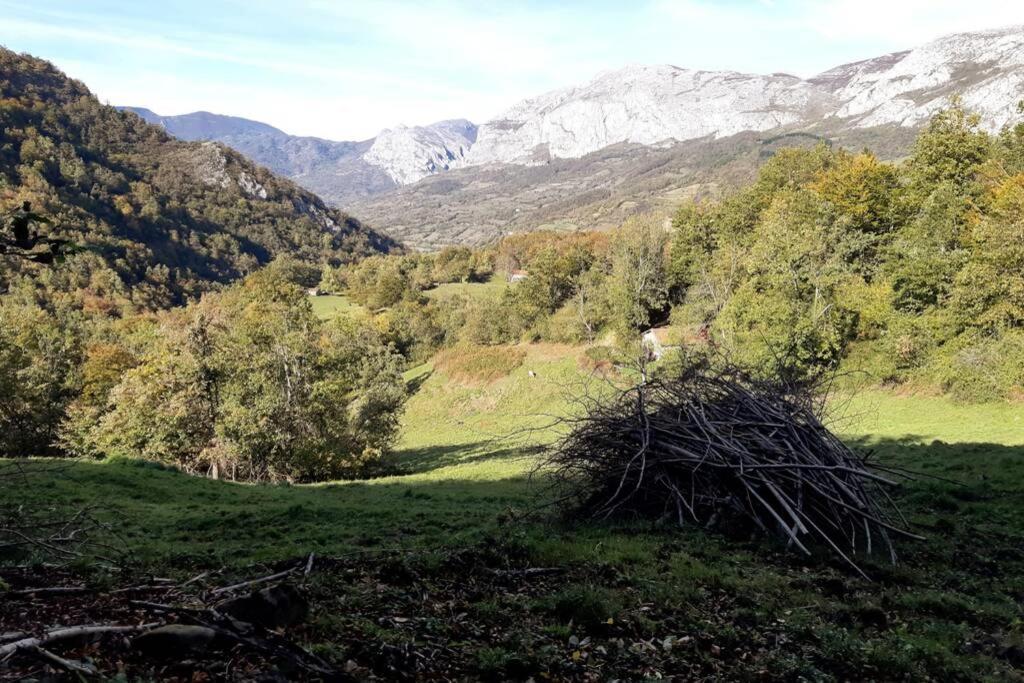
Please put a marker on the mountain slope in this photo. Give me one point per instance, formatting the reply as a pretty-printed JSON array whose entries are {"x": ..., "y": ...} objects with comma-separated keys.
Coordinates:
[
  {"x": 985, "y": 68},
  {"x": 337, "y": 171},
  {"x": 479, "y": 204},
  {"x": 170, "y": 217}
]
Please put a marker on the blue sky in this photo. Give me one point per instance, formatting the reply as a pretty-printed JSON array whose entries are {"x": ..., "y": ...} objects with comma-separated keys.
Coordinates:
[{"x": 344, "y": 70}]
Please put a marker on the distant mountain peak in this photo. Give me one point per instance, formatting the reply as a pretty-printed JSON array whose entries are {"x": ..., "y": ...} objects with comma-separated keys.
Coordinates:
[
  {"x": 408, "y": 154},
  {"x": 204, "y": 125}
]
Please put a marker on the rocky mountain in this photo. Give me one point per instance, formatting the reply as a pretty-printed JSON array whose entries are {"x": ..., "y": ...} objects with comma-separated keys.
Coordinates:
[
  {"x": 905, "y": 88},
  {"x": 643, "y": 137},
  {"x": 454, "y": 182},
  {"x": 169, "y": 218},
  {"x": 409, "y": 154},
  {"x": 646, "y": 105},
  {"x": 652, "y": 105},
  {"x": 337, "y": 171}
]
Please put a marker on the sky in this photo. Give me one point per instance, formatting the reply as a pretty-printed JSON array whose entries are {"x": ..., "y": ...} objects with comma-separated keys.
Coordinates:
[{"x": 343, "y": 70}]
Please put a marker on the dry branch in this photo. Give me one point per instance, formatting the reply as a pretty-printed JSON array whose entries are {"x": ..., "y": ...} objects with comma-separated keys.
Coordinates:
[
  {"x": 252, "y": 582},
  {"x": 59, "y": 634},
  {"x": 79, "y": 668}
]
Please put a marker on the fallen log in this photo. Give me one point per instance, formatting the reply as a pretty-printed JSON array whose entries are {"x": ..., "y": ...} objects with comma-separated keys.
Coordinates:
[{"x": 58, "y": 634}]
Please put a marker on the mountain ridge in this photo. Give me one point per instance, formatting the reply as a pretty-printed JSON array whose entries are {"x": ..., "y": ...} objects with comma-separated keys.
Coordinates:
[{"x": 663, "y": 106}]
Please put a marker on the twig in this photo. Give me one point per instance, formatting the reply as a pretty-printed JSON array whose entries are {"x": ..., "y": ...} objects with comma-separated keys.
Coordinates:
[
  {"x": 51, "y": 590},
  {"x": 80, "y": 668},
  {"x": 528, "y": 572},
  {"x": 253, "y": 582}
]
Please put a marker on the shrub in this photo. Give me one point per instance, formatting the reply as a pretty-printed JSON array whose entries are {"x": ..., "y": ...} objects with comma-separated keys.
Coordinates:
[
  {"x": 250, "y": 385},
  {"x": 978, "y": 368}
]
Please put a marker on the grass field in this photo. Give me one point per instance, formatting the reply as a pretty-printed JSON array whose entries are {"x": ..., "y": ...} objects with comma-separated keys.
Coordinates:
[
  {"x": 331, "y": 306},
  {"x": 493, "y": 287},
  {"x": 632, "y": 602}
]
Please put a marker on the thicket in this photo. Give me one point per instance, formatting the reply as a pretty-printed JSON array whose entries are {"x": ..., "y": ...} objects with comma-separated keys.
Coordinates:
[{"x": 246, "y": 383}]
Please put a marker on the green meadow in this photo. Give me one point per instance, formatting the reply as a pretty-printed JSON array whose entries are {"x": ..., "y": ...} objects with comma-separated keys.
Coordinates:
[{"x": 948, "y": 610}]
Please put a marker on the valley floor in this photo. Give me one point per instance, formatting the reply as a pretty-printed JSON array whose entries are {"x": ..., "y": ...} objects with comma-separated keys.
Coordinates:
[{"x": 426, "y": 580}]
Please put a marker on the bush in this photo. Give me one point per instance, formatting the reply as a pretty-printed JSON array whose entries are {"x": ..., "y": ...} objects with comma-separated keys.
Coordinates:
[
  {"x": 492, "y": 321},
  {"x": 979, "y": 368},
  {"x": 249, "y": 384}
]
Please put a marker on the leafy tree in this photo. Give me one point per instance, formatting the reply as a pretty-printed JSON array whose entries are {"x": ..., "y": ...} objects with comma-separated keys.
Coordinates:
[
  {"x": 250, "y": 384},
  {"x": 693, "y": 243},
  {"x": 864, "y": 202},
  {"x": 638, "y": 284},
  {"x": 949, "y": 151},
  {"x": 988, "y": 292},
  {"x": 39, "y": 376}
]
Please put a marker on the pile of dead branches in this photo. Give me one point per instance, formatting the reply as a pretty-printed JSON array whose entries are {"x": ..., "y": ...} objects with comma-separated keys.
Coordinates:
[{"x": 707, "y": 447}]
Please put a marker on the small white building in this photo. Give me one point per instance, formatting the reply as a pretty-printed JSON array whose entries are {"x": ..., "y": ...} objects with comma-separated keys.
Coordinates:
[{"x": 518, "y": 275}]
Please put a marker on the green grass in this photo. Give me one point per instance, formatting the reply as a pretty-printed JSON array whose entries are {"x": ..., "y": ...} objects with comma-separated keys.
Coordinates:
[
  {"x": 474, "y": 290},
  {"x": 952, "y": 609},
  {"x": 923, "y": 419},
  {"x": 330, "y": 306}
]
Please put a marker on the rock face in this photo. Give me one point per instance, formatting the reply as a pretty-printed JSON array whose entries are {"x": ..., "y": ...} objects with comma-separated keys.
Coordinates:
[
  {"x": 409, "y": 154},
  {"x": 905, "y": 88},
  {"x": 645, "y": 105},
  {"x": 649, "y": 105}
]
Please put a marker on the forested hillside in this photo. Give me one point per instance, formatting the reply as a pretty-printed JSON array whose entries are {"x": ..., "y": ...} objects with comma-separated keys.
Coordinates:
[
  {"x": 913, "y": 271},
  {"x": 162, "y": 219}
]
